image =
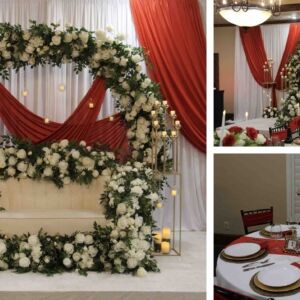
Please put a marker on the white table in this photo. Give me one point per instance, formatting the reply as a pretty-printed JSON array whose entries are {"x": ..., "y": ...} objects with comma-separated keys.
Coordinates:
[{"x": 231, "y": 275}]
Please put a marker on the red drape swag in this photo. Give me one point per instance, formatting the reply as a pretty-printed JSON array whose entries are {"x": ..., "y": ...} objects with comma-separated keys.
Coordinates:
[
  {"x": 256, "y": 55},
  {"x": 81, "y": 125},
  {"x": 172, "y": 34}
]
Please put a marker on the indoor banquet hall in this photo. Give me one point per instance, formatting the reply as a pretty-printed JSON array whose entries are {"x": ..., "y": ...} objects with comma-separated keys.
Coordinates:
[
  {"x": 256, "y": 78},
  {"x": 102, "y": 149},
  {"x": 256, "y": 226}
]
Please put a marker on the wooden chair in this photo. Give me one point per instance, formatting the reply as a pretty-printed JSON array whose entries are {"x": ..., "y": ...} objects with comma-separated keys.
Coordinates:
[
  {"x": 224, "y": 294},
  {"x": 257, "y": 217},
  {"x": 280, "y": 132}
]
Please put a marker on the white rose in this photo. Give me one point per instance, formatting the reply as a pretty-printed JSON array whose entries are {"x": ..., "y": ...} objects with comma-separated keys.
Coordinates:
[
  {"x": 24, "y": 262},
  {"x": 114, "y": 234},
  {"x": 79, "y": 238},
  {"x": 29, "y": 49},
  {"x": 121, "y": 189},
  {"x": 122, "y": 222},
  {"x": 137, "y": 190},
  {"x": 56, "y": 40},
  {"x": 31, "y": 170},
  {"x": 100, "y": 35},
  {"x": 88, "y": 163},
  {"x": 88, "y": 239},
  {"x": 3, "y": 265},
  {"x": 76, "y": 256},
  {"x": 82, "y": 143},
  {"x": 84, "y": 36},
  {"x": 67, "y": 262},
  {"x": 63, "y": 166},
  {"x": 136, "y": 58},
  {"x": 68, "y": 248},
  {"x": 75, "y": 154},
  {"x": 2, "y": 247},
  {"x": 144, "y": 245},
  {"x": 67, "y": 180},
  {"x": 141, "y": 272},
  {"x": 123, "y": 61},
  {"x": 131, "y": 263},
  {"x": 26, "y": 35},
  {"x": 48, "y": 172},
  {"x": 63, "y": 143},
  {"x": 22, "y": 167},
  {"x": 11, "y": 171},
  {"x": 92, "y": 251},
  {"x": 260, "y": 139},
  {"x": 6, "y": 54},
  {"x": 12, "y": 161},
  {"x": 33, "y": 240},
  {"x": 21, "y": 154},
  {"x": 121, "y": 209},
  {"x": 95, "y": 173},
  {"x": 68, "y": 37},
  {"x": 75, "y": 53},
  {"x": 146, "y": 83}
]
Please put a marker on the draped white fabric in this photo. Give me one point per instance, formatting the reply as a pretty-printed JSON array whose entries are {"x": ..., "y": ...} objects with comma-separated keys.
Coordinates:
[
  {"x": 47, "y": 100},
  {"x": 248, "y": 94}
]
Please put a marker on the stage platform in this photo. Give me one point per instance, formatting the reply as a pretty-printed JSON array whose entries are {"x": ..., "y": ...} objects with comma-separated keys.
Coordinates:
[{"x": 181, "y": 278}]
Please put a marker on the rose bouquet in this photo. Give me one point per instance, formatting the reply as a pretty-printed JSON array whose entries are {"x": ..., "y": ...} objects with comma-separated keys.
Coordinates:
[
  {"x": 237, "y": 136},
  {"x": 270, "y": 112}
]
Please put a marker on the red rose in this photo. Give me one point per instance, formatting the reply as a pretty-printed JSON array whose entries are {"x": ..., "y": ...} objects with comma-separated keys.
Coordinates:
[
  {"x": 252, "y": 133},
  {"x": 235, "y": 129},
  {"x": 229, "y": 140}
]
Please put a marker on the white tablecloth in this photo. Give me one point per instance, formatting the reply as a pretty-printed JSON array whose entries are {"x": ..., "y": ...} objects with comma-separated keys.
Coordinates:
[
  {"x": 260, "y": 124},
  {"x": 231, "y": 275}
]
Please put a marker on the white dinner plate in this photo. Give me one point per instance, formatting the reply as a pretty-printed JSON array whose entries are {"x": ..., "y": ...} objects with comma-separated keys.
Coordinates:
[
  {"x": 277, "y": 228},
  {"x": 242, "y": 249},
  {"x": 279, "y": 275}
]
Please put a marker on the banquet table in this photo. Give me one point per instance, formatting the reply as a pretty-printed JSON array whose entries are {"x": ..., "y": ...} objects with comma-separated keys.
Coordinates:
[{"x": 230, "y": 275}]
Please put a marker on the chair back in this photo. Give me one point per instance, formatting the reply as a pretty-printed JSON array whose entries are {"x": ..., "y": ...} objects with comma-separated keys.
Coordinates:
[
  {"x": 279, "y": 132},
  {"x": 256, "y": 217},
  {"x": 225, "y": 294}
]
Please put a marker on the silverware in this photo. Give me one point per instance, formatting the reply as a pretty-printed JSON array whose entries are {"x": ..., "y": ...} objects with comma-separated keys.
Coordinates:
[
  {"x": 261, "y": 266},
  {"x": 256, "y": 262}
]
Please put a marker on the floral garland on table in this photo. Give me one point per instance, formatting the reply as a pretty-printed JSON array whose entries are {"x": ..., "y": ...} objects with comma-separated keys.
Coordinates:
[
  {"x": 123, "y": 245},
  {"x": 270, "y": 112},
  {"x": 290, "y": 106},
  {"x": 134, "y": 93},
  {"x": 237, "y": 136}
]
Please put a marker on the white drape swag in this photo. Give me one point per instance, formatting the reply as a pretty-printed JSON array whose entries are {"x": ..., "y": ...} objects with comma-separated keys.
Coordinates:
[
  {"x": 45, "y": 99},
  {"x": 248, "y": 94}
]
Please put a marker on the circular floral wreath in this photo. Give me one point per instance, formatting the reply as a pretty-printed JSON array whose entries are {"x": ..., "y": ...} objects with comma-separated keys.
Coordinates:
[{"x": 124, "y": 245}]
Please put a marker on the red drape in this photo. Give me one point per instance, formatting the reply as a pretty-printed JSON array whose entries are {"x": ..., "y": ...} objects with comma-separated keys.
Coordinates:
[
  {"x": 172, "y": 34},
  {"x": 256, "y": 55},
  {"x": 81, "y": 125}
]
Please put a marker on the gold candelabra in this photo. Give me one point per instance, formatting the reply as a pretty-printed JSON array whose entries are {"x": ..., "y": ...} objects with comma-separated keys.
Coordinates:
[{"x": 165, "y": 136}]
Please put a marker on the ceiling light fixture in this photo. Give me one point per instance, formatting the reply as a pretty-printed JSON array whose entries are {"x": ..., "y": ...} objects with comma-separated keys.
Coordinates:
[{"x": 246, "y": 13}]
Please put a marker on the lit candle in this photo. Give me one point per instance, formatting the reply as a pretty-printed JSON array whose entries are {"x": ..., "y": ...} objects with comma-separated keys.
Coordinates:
[
  {"x": 61, "y": 87},
  {"x": 157, "y": 237},
  {"x": 174, "y": 192},
  {"x": 166, "y": 233},
  {"x": 246, "y": 116},
  {"x": 164, "y": 134},
  {"x": 111, "y": 118},
  {"x": 172, "y": 113},
  {"x": 165, "y": 247},
  {"x": 222, "y": 128},
  {"x": 173, "y": 134},
  {"x": 91, "y": 105},
  {"x": 46, "y": 120},
  {"x": 270, "y": 101},
  {"x": 25, "y": 93}
]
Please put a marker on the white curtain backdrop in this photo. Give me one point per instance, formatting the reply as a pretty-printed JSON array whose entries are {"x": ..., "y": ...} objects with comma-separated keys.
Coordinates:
[
  {"x": 248, "y": 94},
  {"x": 46, "y": 100}
]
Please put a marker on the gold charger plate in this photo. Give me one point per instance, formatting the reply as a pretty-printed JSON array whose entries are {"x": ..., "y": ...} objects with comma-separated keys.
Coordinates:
[
  {"x": 265, "y": 290},
  {"x": 260, "y": 253}
]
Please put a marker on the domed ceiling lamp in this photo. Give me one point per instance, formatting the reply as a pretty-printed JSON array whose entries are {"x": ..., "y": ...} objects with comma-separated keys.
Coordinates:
[{"x": 246, "y": 13}]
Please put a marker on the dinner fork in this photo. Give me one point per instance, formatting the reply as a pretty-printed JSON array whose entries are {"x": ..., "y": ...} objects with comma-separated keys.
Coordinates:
[{"x": 256, "y": 262}]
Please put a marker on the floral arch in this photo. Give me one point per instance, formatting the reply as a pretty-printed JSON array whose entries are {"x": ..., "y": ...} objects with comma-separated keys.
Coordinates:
[{"x": 124, "y": 244}]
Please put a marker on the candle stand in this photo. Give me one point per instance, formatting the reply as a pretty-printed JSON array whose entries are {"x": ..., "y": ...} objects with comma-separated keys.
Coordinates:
[{"x": 164, "y": 141}]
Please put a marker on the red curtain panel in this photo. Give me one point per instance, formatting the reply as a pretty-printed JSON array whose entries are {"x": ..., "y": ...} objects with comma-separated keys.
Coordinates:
[
  {"x": 81, "y": 125},
  {"x": 172, "y": 34}
]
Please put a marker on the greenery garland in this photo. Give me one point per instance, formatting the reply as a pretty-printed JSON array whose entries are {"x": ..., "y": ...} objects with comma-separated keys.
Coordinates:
[{"x": 124, "y": 244}]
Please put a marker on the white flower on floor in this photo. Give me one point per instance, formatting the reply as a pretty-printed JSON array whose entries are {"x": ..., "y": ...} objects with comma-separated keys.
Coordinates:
[
  {"x": 88, "y": 240},
  {"x": 68, "y": 248},
  {"x": 22, "y": 167},
  {"x": 11, "y": 171},
  {"x": 2, "y": 247},
  {"x": 24, "y": 262},
  {"x": 63, "y": 143},
  {"x": 76, "y": 256},
  {"x": 48, "y": 172},
  {"x": 12, "y": 161},
  {"x": 141, "y": 272}
]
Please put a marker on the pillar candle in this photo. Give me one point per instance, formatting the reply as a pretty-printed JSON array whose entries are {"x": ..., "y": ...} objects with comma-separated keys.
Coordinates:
[
  {"x": 165, "y": 247},
  {"x": 222, "y": 128},
  {"x": 166, "y": 233},
  {"x": 246, "y": 116}
]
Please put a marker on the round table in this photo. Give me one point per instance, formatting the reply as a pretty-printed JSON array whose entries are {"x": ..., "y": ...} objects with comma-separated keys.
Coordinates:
[{"x": 231, "y": 276}]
